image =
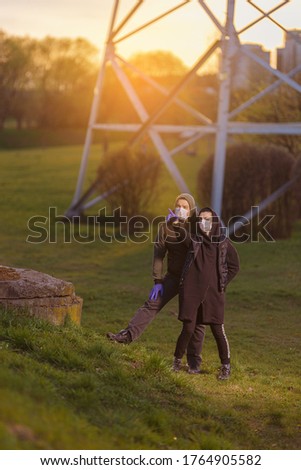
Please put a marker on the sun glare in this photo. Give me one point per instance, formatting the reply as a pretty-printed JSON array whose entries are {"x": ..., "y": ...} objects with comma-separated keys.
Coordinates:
[{"x": 187, "y": 32}]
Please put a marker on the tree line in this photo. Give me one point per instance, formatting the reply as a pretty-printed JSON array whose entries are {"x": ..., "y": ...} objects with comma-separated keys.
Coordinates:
[{"x": 48, "y": 84}]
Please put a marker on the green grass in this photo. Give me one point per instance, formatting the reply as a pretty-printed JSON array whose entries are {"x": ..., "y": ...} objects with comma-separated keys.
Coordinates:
[
  {"x": 13, "y": 138},
  {"x": 70, "y": 388}
]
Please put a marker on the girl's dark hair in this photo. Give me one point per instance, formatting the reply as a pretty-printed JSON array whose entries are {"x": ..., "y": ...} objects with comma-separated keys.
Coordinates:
[{"x": 206, "y": 209}]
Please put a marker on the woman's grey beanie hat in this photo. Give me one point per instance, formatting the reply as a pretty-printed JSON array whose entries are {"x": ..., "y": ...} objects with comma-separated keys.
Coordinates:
[{"x": 190, "y": 200}]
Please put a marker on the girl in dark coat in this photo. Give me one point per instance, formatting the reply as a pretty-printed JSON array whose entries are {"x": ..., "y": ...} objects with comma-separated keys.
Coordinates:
[
  {"x": 166, "y": 286},
  {"x": 211, "y": 264}
]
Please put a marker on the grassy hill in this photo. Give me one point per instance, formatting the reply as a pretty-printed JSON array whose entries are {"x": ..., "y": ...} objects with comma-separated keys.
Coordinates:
[{"x": 70, "y": 388}]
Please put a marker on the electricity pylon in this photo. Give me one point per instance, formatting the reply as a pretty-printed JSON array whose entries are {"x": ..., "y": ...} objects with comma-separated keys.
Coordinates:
[{"x": 229, "y": 44}]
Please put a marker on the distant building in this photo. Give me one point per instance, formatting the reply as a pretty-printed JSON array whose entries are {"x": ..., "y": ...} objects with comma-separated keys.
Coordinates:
[
  {"x": 245, "y": 71},
  {"x": 289, "y": 56}
]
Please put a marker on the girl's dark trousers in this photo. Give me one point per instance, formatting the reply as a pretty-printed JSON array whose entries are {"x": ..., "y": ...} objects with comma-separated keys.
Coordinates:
[{"x": 192, "y": 334}]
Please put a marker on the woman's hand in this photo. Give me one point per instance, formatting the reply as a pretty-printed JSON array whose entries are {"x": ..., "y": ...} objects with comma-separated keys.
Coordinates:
[
  {"x": 156, "y": 290},
  {"x": 171, "y": 215}
]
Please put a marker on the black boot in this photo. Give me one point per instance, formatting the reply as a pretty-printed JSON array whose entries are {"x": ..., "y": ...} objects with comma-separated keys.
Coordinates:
[
  {"x": 123, "y": 336},
  {"x": 195, "y": 370},
  {"x": 224, "y": 372},
  {"x": 176, "y": 366},
  {"x": 193, "y": 365}
]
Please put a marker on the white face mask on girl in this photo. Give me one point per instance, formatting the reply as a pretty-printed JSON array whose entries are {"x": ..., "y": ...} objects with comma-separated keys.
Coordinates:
[
  {"x": 206, "y": 225},
  {"x": 181, "y": 212}
]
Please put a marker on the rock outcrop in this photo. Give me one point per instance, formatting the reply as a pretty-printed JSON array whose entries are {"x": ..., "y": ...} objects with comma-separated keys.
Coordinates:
[{"x": 39, "y": 294}]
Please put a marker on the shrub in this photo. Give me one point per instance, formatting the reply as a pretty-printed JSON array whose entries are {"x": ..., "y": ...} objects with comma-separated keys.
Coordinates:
[
  {"x": 252, "y": 173},
  {"x": 130, "y": 178},
  {"x": 296, "y": 172}
]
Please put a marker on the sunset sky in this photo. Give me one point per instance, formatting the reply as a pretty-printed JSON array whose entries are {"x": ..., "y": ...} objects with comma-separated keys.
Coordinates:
[{"x": 187, "y": 32}]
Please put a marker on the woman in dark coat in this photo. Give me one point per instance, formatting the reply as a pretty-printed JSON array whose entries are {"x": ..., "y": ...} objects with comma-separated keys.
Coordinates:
[{"x": 211, "y": 264}]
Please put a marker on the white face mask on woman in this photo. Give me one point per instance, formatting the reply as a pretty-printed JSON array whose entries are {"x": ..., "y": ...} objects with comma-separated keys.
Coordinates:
[{"x": 181, "y": 212}]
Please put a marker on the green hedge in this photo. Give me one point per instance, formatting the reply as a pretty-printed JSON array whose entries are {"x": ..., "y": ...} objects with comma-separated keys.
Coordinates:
[{"x": 252, "y": 173}]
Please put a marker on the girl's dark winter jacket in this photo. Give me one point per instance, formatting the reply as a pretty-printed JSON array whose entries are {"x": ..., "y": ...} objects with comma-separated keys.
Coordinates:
[
  {"x": 211, "y": 263},
  {"x": 227, "y": 262}
]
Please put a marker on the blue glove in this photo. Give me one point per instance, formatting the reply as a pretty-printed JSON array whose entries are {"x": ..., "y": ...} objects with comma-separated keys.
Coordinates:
[
  {"x": 156, "y": 290},
  {"x": 170, "y": 215}
]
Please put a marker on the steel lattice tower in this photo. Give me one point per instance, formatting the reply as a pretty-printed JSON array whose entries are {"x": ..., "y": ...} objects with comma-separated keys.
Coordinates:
[{"x": 228, "y": 43}]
